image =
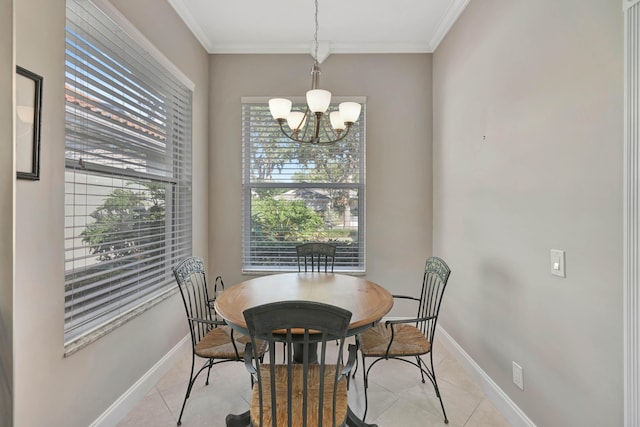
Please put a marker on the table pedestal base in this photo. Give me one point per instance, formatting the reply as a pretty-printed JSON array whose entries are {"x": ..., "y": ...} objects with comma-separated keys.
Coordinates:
[
  {"x": 244, "y": 420},
  {"x": 298, "y": 353},
  {"x": 241, "y": 420}
]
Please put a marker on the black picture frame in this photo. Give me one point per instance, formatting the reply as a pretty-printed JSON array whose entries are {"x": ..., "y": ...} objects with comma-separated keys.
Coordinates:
[{"x": 28, "y": 120}]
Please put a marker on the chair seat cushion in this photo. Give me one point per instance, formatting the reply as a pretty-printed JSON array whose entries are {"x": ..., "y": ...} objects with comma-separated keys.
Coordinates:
[
  {"x": 297, "y": 398},
  {"x": 407, "y": 341},
  {"x": 217, "y": 344}
]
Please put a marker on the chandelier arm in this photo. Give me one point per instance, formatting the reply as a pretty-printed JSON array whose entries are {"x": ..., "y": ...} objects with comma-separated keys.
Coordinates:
[
  {"x": 317, "y": 141},
  {"x": 292, "y": 136},
  {"x": 316, "y": 128},
  {"x": 308, "y": 129},
  {"x": 288, "y": 135},
  {"x": 329, "y": 131},
  {"x": 339, "y": 138},
  {"x": 343, "y": 135}
]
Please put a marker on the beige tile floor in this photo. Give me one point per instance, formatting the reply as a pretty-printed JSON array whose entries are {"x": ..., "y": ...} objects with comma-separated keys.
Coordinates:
[{"x": 397, "y": 397}]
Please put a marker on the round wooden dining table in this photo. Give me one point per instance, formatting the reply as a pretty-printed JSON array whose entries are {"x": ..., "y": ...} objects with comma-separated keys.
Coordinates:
[{"x": 367, "y": 301}]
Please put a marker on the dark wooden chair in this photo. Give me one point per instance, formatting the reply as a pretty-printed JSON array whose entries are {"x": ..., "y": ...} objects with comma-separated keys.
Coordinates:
[
  {"x": 310, "y": 389},
  {"x": 313, "y": 255},
  {"x": 408, "y": 339},
  {"x": 211, "y": 338}
]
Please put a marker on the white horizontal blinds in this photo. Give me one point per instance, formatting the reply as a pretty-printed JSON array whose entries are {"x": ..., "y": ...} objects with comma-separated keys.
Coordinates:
[
  {"x": 121, "y": 105},
  {"x": 295, "y": 193},
  {"x": 128, "y": 172}
]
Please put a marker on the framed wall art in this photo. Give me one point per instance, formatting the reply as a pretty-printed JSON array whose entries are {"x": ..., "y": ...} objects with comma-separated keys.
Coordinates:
[{"x": 28, "y": 110}]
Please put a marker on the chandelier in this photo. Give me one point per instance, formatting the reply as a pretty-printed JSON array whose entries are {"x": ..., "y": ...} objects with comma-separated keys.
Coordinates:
[{"x": 312, "y": 127}]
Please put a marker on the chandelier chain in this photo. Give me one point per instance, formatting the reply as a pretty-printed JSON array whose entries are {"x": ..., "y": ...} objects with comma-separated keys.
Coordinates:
[
  {"x": 316, "y": 125},
  {"x": 316, "y": 33}
]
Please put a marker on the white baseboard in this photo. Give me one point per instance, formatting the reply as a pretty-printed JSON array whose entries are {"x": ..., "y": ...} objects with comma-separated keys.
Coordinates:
[
  {"x": 125, "y": 403},
  {"x": 495, "y": 394}
]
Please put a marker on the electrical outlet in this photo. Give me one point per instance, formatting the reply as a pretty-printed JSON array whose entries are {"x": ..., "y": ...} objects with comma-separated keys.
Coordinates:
[{"x": 518, "y": 377}]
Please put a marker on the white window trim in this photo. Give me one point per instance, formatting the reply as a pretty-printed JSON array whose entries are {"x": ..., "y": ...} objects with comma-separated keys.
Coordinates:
[
  {"x": 631, "y": 216},
  {"x": 361, "y": 219}
]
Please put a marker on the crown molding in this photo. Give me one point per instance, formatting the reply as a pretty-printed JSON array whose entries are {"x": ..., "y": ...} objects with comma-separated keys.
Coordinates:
[
  {"x": 428, "y": 46},
  {"x": 334, "y": 48},
  {"x": 183, "y": 11},
  {"x": 450, "y": 17}
]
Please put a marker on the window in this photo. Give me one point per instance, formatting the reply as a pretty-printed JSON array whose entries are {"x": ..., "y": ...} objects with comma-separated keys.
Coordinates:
[
  {"x": 295, "y": 193},
  {"x": 128, "y": 172}
]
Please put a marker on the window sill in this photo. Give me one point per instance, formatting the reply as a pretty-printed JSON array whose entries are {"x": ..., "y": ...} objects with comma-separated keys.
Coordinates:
[
  {"x": 94, "y": 335},
  {"x": 266, "y": 272}
]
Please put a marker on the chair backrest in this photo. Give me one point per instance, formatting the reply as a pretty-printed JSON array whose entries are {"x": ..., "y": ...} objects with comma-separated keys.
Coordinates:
[
  {"x": 306, "y": 326},
  {"x": 434, "y": 282},
  {"x": 189, "y": 274},
  {"x": 313, "y": 255}
]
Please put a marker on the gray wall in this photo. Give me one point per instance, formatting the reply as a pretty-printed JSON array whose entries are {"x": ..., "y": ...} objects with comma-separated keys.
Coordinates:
[
  {"x": 51, "y": 390},
  {"x": 398, "y": 129},
  {"x": 7, "y": 173},
  {"x": 543, "y": 82}
]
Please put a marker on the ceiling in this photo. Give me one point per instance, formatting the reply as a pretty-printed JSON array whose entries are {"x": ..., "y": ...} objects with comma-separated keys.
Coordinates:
[{"x": 345, "y": 26}]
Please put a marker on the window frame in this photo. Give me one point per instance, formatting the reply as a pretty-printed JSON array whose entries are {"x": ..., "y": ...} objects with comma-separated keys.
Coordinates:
[
  {"x": 177, "y": 242},
  {"x": 248, "y": 186}
]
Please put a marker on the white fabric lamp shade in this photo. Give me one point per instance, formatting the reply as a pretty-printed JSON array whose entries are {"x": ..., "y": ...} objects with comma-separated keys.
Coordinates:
[
  {"x": 280, "y": 108},
  {"x": 336, "y": 120},
  {"x": 296, "y": 120},
  {"x": 318, "y": 100},
  {"x": 350, "y": 111}
]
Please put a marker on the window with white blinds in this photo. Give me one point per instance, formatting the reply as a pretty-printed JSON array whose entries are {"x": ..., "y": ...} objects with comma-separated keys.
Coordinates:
[
  {"x": 295, "y": 193},
  {"x": 128, "y": 172}
]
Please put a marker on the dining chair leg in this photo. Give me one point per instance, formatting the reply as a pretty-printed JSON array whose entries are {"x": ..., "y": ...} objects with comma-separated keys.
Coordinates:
[
  {"x": 437, "y": 389},
  {"x": 366, "y": 400},
  {"x": 419, "y": 362},
  {"x": 365, "y": 375},
  {"x": 209, "y": 371},
  {"x": 365, "y": 381},
  {"x": 186, "y": 396},
  {"x": 355, "y": 368},
  {"x": 192, "y": 381},
  {"x": 431, "y": 374}
]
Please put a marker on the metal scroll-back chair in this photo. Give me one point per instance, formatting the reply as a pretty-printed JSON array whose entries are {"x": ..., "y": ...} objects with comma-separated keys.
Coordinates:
[
  {"x": 314, "y": 254},
  {"x": 211, "y": 338},
  {"x": 311, "y": 393},
  {"x": 408, "y": 339}
]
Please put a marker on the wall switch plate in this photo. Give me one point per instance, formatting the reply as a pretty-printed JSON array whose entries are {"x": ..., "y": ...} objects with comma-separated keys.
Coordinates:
[
  {"x": 557, "y": 263},
  {"x": 518, "y": 376}
]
